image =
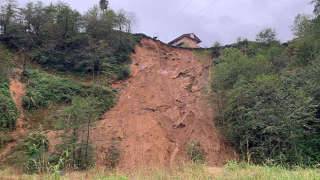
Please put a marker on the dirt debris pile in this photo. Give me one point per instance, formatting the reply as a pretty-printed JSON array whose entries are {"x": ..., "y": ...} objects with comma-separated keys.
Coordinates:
[{"x": 159, "y": 110}]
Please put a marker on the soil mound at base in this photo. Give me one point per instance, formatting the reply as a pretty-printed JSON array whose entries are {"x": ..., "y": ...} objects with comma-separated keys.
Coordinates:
[{"x": 159, "y": 110}]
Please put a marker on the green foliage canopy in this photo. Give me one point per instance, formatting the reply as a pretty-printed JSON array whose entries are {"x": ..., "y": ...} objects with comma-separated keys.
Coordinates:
[{"x": 266, "y": 111}]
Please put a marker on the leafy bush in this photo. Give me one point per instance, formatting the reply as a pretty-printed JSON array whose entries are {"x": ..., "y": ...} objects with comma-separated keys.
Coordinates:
[
  {"x": 194, "y": 149},
  {"x": 233, "y": 63},
  {"x": 111, "y": 156},
  {"x": 35, "y": 145},
  {"x": 123, "y": 71}
]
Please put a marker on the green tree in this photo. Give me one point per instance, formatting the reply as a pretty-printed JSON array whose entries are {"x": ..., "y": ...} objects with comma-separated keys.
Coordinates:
[
  {"x": 306, "y": 79},
  {"x": 92, "y": 21},
  {"x": 216, "y": 44},
  {"x": 316, "y": 3},
  {"x": 121, "y": 20},
  {"x": 70, "y": 122},
  {"x": 267, "y": 37},
  {"x": 35, "y": 17},
  {"x": 306, "y": 42},
  {"x": 51, "y": 43},
  {"x": 103, "y": 4},
  {"x": 22, "y": 37},
  {"x": 107, "y": 23},
  {"x": 301, "y": 25},
  {"x": 7, "y": 15},
  {"x": 92, "y": 114},
  {"x": 75, "y": 122}
]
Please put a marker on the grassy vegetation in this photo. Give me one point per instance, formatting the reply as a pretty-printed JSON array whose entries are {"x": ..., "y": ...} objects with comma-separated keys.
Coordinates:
[
  {"x": 35, "y": 145},
  {"x": 44, "y": 89},
  {"x": 184, "y": 171},
  {"x": 203, "y": 55},
  {"x": 244, "y": 171},
  {"x": 8, "y": 111}
]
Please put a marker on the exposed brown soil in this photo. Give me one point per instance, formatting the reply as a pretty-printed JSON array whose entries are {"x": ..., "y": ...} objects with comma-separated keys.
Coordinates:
[
  {"x": 160, "y": 110},
  {"x": 17, "y": 90}
]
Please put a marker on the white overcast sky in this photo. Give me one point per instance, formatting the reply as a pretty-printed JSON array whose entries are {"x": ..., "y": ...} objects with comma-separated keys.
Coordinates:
[{"x": 223, "y": 21}]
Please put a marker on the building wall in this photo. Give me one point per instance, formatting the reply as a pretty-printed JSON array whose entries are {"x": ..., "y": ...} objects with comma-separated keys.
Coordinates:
[{"x": 191, "y": 42}]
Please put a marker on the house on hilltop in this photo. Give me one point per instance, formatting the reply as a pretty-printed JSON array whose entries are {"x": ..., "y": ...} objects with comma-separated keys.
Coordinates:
[{"x": 189, "y": 40}]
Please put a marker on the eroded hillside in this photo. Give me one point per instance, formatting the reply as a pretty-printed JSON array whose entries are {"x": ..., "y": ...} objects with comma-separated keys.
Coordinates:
[{"x": 159, "y": 110}]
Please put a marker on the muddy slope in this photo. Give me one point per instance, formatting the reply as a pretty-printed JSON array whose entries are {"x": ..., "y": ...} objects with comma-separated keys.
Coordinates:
[{"x": 159, "y": 110}]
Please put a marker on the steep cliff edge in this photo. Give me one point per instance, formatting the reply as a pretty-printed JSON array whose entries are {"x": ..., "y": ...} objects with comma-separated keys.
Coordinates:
[{"x": 159, "y": 110}]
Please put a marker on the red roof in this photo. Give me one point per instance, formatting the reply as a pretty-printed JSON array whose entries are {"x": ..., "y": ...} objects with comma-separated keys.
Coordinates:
[{"x": 188, "y": 36}]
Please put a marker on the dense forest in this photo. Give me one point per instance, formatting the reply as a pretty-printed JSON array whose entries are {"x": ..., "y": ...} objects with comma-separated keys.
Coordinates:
[{"x": 266, "y": 95}]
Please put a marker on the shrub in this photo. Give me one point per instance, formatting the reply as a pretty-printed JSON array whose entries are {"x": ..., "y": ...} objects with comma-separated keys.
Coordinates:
[
  {"x": 111, "y": 156},
  {"x": 35, "y": 145},
  {"x": 123, "y": 71},
  {"x": 194, "y": 149}
]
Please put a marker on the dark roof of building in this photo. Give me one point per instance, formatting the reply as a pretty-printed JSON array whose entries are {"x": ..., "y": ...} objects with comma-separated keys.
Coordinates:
[{"x": 187, "y": 35}]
